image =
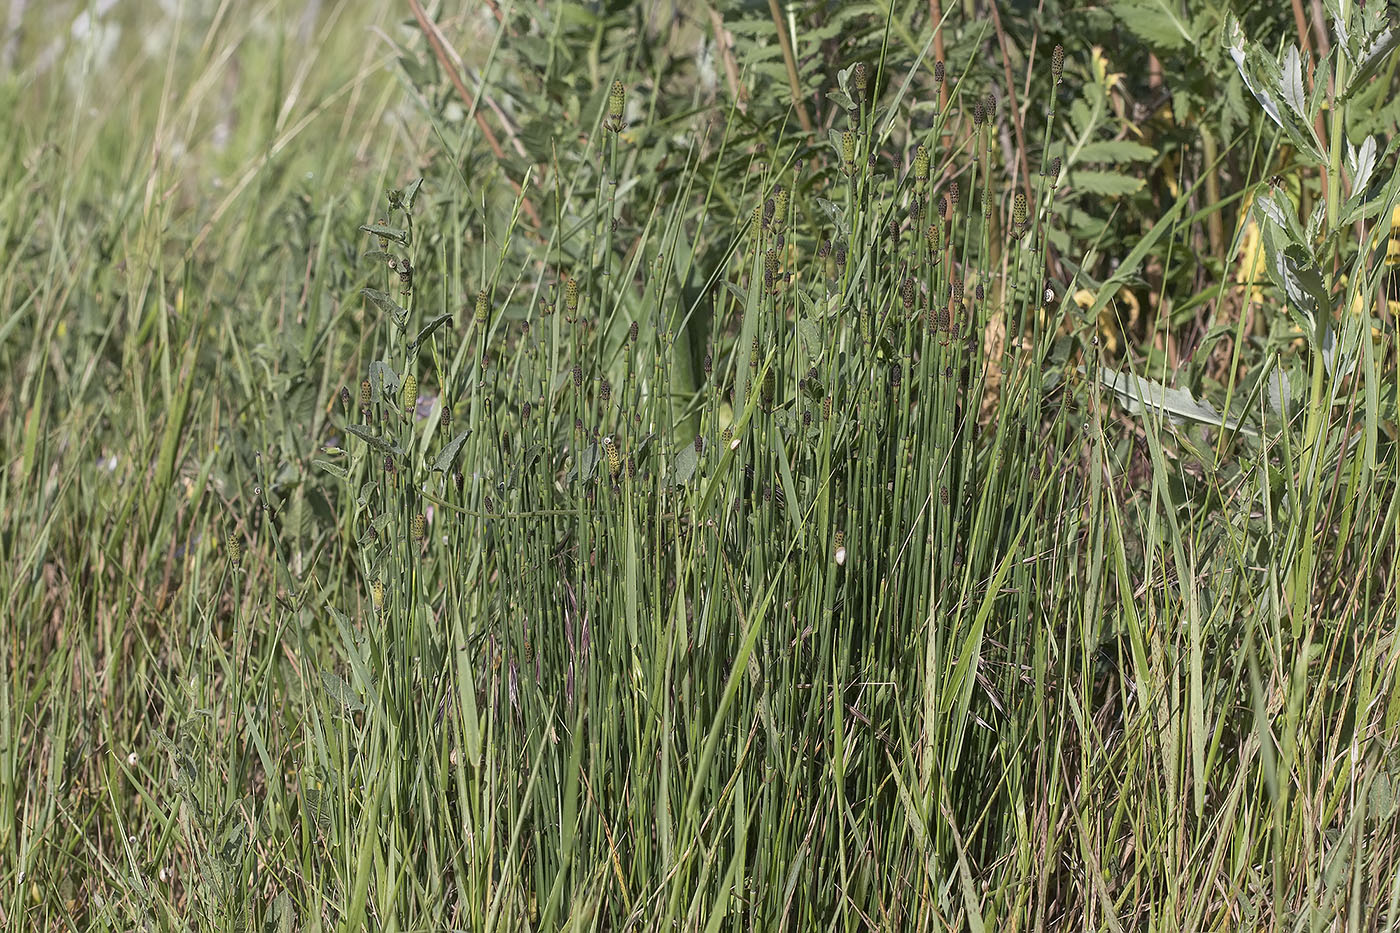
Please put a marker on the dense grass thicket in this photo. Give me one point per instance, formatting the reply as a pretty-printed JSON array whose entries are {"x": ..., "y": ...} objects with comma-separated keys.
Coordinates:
[{"x": 716, "y": 466}]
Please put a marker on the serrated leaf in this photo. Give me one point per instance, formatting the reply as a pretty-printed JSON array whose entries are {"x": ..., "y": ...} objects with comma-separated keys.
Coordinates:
[
  {"x": 1372, "y": 59},
  {"x": 1109, "y": 184},
  {"x": 1290, "y": 86},
  {"x": 444, "y": 460},
  {"x": 1153, "y": 21},
  {"x": 397, "y": 234},
  {"x": 1362, "y": 162}
]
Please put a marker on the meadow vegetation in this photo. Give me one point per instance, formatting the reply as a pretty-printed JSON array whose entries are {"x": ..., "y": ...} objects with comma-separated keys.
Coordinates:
[{"x": 716, "y": 466}]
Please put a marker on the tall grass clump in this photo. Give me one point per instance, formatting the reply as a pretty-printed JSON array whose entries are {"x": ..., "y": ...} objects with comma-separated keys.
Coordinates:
[{"x": 880, "y": 474}]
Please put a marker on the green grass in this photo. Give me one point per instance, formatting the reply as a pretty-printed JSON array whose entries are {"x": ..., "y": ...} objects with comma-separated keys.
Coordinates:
[{"x": 742, "y": 554}]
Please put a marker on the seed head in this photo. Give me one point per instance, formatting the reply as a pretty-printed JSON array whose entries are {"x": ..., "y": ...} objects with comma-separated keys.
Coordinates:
[
  {"x": 632, "y": 333},
  {"x": 420, "y": 527},
  {"x": 617, "y": 104},
  {"x": 376, "y": 595},
  {"x": 699, "y": 444},
  {"x": 364, "y": 396},
  {"x": 345, "y": 400},
  {"x": 921, "y": 163},
  {"x": 578, "y": 376},
  {"x": 233, "y": 545},
  {"x": 708, "y": 364},
  {"x": 826, "y": 408},
  {"x": 861, "y": 76},
  {"x": 839, "y": 540},
  {"x": 953, "y": 190},
  {"x": 977, "y": 112},
  {"x": 408, "y": 395},
  {"x": 943, "y": 495},
  {"x": 753, "y": 354},
  {"x": 989, "y": 106},
  {"x": 571, "y": 294},
  {"x": 525, "y": 411},
  {"x": 445, "y": 419},
  {"x": 908, "y": 292},
  {"x": 848, "y": 151},
  {"x": 1057, "y": 61},
  {"x": 1018, "y": 214},
  {"x": 605, "y": 390},
  {"x": 483, "y": 308},
  {"x": 937, "y": 73},
  {"x": 934, "y": 237}
]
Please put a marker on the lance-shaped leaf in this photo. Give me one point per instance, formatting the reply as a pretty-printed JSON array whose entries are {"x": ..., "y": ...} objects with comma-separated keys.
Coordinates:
[
  {"x": 428, "y": 328},
  {"x": 397, "y": 234},
  {"x": 386, "y": 304},
  {"x": 1141, "y": 395},
  {"x": 444, "y": 460}
]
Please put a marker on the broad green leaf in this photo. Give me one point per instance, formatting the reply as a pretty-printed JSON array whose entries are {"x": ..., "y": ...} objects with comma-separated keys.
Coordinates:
[
  {"x": 428, "y": 328},
  {"x": 444, "y": 460},
  {"x": 370, "y": 437},
  {"x": 1154, "y": 21},
  {"x": 1109, "y": 184},
  {"x": 385, "y": 303},
  {"x": 1116, "y": 150},
  {"x": 333, "y": 469},
  {"x": 686, "y": 461}
]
